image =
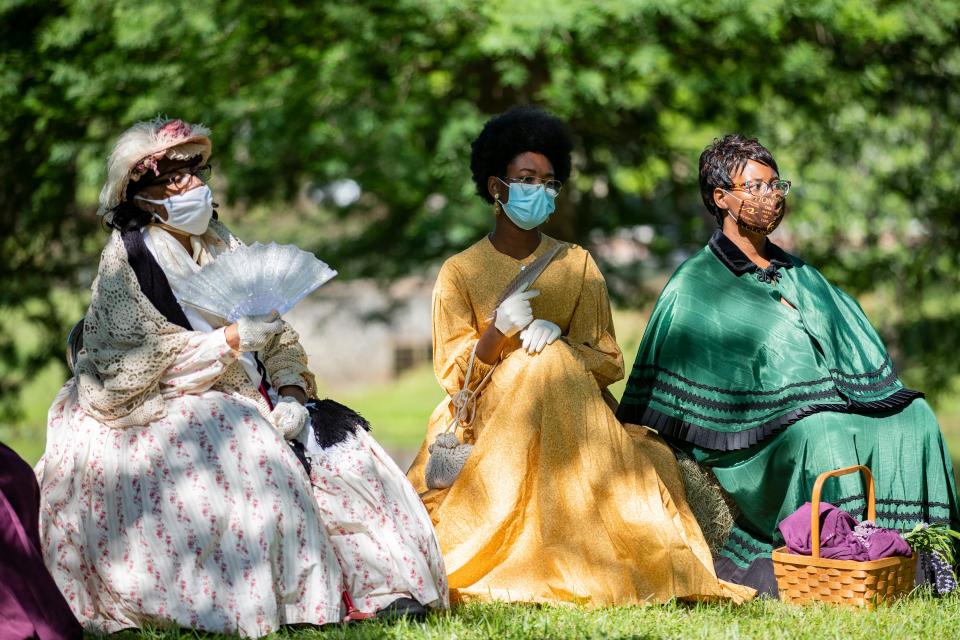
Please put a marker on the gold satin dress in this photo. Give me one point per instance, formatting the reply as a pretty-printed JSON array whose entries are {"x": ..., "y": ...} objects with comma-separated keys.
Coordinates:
[{"x": 557, "y": 501}]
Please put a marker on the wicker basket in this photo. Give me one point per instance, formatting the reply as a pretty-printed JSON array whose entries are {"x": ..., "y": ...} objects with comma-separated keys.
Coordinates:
[{"x": 804, "y": 579}]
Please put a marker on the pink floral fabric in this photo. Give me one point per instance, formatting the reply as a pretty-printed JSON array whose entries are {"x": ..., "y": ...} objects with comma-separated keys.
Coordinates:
[
  {"x": 383, "y": 535},
  {"x": 203, "y": 518}
]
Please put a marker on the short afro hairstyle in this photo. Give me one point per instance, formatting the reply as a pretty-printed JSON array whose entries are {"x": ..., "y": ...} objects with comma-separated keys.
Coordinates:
[
  {"x": 514, "y": 132},
  {"x": 728, "y": 156}
]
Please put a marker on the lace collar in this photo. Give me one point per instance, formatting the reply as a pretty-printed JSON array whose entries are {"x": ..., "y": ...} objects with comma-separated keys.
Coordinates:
[{"x": 738, "y": 263}]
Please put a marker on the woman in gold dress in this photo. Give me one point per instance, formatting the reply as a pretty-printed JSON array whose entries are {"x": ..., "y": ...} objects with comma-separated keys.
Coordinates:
[{"x": 556, "y": 502}]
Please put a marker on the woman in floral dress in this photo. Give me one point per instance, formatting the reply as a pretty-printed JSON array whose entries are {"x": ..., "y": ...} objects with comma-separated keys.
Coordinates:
[{"x": 169, "y": 496}]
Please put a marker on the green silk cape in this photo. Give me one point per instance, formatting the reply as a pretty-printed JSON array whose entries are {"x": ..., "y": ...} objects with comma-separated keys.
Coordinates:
[{"x": 724, "y": 364}]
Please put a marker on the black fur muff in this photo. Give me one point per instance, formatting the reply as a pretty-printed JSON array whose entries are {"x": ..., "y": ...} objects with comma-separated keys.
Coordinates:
[{"x": 333, "y": 422}]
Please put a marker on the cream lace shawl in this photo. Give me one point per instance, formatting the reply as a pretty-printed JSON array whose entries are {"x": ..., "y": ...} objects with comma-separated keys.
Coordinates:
[{"x": 129, "y": 344}]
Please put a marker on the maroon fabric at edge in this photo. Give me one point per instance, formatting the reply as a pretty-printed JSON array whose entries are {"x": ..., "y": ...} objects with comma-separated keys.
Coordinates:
[{"x": 31, "y": 605}]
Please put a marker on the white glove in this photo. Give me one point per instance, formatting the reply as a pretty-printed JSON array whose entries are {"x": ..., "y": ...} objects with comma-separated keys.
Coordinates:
[
  {"x": 255, "y": 331},
  {"x": 515, "y": 313},
  {"x": 289, "y": 417},
  {"x": 539, "y": 334}
]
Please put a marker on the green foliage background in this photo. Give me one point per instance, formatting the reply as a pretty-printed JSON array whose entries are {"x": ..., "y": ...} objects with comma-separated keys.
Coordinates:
[{"x": 858, "y": 99}]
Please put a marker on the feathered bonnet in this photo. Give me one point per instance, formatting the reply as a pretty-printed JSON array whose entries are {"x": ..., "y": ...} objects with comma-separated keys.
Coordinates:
[{"x": 140, "y": 147}]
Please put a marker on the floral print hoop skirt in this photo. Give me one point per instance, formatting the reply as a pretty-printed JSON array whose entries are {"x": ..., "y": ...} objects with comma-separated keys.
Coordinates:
[
  {"x": 382, "y": 532},
  {"x": 202, "y": 519}
]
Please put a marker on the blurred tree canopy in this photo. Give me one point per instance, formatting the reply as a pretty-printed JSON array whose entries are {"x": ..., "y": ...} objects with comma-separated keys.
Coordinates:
[{"x": 858, "y": 99}]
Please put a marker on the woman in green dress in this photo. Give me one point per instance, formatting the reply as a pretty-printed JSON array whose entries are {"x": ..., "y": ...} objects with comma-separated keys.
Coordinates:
[{"x": 767, "y": 374}]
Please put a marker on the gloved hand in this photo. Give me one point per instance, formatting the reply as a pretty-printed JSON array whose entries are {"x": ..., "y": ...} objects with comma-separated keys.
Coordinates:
[
  {"x": 289, "y": 417},
  {"x": 515, "y": 313},
  {"x": 539, "y": 334},
  {"x": 255, "y": 331}
]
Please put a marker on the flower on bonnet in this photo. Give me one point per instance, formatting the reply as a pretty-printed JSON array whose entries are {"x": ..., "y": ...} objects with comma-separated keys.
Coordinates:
[
  {"x": 147, "y": 164},
  {"x": 174, "y": 130}
]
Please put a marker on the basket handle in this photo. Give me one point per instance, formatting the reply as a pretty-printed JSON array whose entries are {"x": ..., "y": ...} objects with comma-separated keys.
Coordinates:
[{"x": 815, "y": 502}]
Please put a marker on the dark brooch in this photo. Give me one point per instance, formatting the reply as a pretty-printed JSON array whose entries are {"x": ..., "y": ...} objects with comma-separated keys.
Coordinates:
[{"x": 769, "y": 275}]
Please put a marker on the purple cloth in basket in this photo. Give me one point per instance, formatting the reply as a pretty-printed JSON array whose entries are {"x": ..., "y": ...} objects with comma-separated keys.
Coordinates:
[{"x": 840, "y": 537}]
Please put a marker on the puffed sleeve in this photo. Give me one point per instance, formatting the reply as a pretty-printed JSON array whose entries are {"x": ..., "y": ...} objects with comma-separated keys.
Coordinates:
[
  {"x": 198, "y": 365},
  {"x": 286, "y": 362},
  {"x": 591, "y": 331},
  {"x": 455, "y": 332}
]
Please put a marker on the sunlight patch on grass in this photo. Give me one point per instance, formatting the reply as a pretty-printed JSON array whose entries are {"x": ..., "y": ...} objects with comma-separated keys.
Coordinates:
[
  {"x": 398, "y": 411},
  {"x": 918, "y": 616}
]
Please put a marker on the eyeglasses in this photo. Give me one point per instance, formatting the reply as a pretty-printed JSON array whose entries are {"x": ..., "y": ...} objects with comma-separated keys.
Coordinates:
[
  {"x": 552, "y": 187},
  {"x": 180, "y": 178},
  {"x": 761, "y": 188}
]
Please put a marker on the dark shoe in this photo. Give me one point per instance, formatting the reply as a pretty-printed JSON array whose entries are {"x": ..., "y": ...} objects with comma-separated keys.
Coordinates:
[{"x": 403, "y": 608}]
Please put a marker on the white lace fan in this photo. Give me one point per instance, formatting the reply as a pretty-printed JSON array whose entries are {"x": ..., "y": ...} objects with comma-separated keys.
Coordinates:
[{"x": 254, "y": 280}]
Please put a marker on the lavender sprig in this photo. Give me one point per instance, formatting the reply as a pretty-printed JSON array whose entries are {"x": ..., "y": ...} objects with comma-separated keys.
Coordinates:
[
  {"x": 937, "y": 572},
  {"x": 934, "y": 545},
  {"x": 863, "y": 531}
]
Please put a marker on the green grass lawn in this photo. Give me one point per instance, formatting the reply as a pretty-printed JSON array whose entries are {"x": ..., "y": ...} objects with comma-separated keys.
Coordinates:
[
  {"x": 917, "y": 616},
  {"x": 27, "y": 437},
  {"x": 398, "y": 411}
]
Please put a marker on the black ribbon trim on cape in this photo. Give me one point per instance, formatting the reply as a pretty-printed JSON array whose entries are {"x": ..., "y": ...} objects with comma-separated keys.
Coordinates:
[
  {"x": 683, "y": 431},
  {"x": 868, "y": 386},
  {"x": 728, "y": 392},
  {"x": 693, "y": 398},
  {"x": 887, "y": 363},
  {"x": 886, "y": 370},
  {"x": 153, "y": 281},
  {"x": 893, "y": 502},
  {"x": 685, "y": 410}
]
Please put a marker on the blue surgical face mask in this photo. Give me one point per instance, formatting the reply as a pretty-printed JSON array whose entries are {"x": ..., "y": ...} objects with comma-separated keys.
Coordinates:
[{"x": 529, "y": 205}]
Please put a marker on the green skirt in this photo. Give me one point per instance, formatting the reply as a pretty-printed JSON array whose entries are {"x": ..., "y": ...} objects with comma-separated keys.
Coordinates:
[{"x": 904, "y": 449}]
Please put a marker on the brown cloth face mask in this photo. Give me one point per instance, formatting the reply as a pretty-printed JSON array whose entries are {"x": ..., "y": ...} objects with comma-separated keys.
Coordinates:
[{"x": 760, "y": 214}]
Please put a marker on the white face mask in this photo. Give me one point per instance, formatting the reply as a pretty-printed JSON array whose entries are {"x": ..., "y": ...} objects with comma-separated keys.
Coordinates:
[{"x": 189, "y": 212}]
